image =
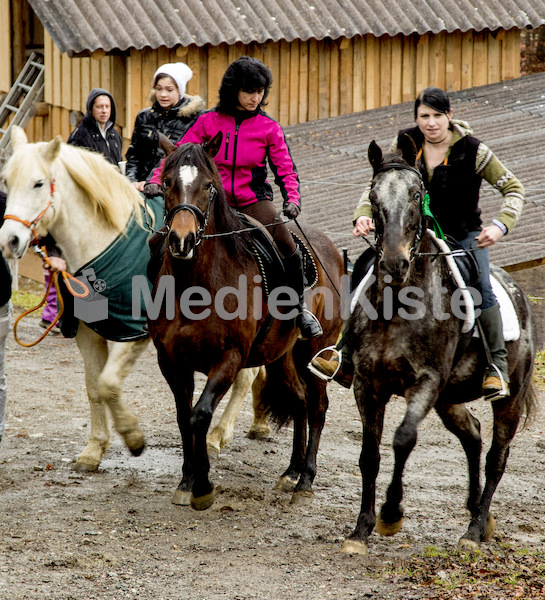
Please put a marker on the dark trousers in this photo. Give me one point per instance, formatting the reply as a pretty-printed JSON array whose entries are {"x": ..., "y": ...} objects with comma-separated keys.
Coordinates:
[{"x": 265, "y": 212}]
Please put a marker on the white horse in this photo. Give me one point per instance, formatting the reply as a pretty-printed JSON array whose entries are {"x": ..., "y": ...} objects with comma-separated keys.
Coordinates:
[{"x": 85, "y": 203}]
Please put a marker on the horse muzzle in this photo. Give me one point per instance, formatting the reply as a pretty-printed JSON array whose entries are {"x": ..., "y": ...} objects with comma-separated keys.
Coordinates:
[
  {"x": 396, "y": 266},
  {"x": 12, "y": 244},
  {"x": 181, "y": 247}
]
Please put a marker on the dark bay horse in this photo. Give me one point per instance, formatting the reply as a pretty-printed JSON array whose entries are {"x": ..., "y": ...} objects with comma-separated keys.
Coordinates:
[
  {"x": 426, "y": 358},
  {"x": 214, "y": 270}
]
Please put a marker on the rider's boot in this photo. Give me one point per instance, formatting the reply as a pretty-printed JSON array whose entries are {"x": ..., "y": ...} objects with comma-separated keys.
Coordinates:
[
  {"x": 330, "y": 368},
  {"x": 496, "y": 378},
  {"x": 308, "y": 324}
]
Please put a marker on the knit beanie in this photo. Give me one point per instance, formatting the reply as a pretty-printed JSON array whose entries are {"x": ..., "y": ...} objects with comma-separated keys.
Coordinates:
[{"x": 179, "y": 71}]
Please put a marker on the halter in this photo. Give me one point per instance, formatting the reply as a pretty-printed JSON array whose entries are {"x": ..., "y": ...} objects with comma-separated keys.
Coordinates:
[
  {"x": 201, "y": 218},
  {"x": 32, "y": 224}
]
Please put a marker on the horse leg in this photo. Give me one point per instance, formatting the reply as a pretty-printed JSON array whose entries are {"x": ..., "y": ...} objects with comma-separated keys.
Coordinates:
[
  {"x": 420, "y": 398},
  {"x": 120, "y": 361},
  {"x": 371, "y": 410},
  {"x": 506, "y": 420},
  {"x": 94, "y": 351},
  {"x": 317, "y": 404},
  {"x": 284, "y": 394},
  {"x": 459, "y": 421},
  {"x": 222, "y": 434},
  {"x": 181, "y": 381},
  {"x": 219, "y": 381},
  {"x": 260, "y": 428}
]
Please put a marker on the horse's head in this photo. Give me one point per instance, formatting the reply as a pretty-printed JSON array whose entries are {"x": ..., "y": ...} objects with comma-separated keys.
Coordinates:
[
  {"x": 191, "y": 182},
  {"x": 396, "y": 197},
  {"x": 30, "y": 182}
]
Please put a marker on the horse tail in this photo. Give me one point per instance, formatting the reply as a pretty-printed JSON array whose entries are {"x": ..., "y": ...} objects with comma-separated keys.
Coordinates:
[{"x": 529, "y": 407}]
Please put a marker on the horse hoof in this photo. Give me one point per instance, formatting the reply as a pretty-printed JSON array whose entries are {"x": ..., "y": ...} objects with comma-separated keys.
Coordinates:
[
  {"x": 213, "y": 450},
  {"x": 490, "y": 528},
  {"x": 302, "y": 498},
  {"x": 203, "y": 502},
  {"x": 85, "y": 467},
  {"x": 285, "y": 484},
  {"x": 137, "y": 451},
  {"x": 388, "y": 529},
  {"x": 135, "y": 442},
  {"x": 259, "y": 433},
  {"x": 354, "y": 547},
  {"x": 466, "y": 545},
  {"x": 181, "y": 498}
]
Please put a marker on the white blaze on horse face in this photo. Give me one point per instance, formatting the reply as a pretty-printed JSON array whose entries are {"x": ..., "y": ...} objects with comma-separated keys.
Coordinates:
[{"x": 187, "y": 174}]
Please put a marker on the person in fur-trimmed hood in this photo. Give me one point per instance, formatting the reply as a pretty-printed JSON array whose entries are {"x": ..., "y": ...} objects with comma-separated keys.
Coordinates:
[
  {"x": 96, "y": 131},
  {"x": 172, "y": 113}
]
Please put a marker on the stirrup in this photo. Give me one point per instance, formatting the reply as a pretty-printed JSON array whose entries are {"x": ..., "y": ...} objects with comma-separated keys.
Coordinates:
[
  {"x": 497, "y": 395},
  {"x": 319, "y": 374}
]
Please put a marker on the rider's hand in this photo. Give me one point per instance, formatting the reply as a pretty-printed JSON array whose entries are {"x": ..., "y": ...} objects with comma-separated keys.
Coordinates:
[
  {"x": 139, "y": 185},
  {"x": 291, "y": 210},
  {"x": 55, "y": 263},
  {"x": 152, "y": 189},
  {"x": 488, "y": 236},
  {"x": 364, "y": 226}
]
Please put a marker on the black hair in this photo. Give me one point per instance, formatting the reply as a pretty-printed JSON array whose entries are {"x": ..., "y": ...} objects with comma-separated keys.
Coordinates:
[
  {"x": 246, "y": 74},
  {"x": 434, "y": 98}
]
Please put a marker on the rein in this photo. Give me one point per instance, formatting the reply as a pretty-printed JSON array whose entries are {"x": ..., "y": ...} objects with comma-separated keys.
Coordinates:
[{"x": 53, "y": 279}]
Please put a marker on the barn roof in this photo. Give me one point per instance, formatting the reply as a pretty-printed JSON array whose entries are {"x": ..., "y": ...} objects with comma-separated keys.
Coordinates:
[
  {"x": 331, "y": 157},
  {"x": 82, "y": 26}
]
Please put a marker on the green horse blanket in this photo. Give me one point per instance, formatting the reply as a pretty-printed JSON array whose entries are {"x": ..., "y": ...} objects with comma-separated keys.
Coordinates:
[{"x": 109, "y": 276}]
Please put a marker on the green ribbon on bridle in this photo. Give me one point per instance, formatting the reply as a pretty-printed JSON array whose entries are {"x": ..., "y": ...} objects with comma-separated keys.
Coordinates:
[{"x": 426, "y": 211}]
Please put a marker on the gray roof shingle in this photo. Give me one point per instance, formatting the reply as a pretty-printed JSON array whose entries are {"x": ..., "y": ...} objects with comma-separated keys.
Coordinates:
[
  {"x": 331, "y": 157},
  {"x": 78, "y": 26}
]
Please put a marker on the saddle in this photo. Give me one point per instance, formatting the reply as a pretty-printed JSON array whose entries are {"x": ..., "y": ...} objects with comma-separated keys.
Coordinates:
[{"x": 269, "y": 261}]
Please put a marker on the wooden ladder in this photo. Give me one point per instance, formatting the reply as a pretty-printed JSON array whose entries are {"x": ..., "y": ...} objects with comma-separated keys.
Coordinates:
[{"x": 18, "y": 104}]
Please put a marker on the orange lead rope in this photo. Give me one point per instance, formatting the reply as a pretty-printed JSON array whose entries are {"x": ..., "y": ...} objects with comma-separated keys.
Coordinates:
[{"x": 54, "y": 278}]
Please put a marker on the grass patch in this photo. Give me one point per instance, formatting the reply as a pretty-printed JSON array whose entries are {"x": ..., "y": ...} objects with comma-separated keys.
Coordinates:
[{"x": 24, "y": 300}]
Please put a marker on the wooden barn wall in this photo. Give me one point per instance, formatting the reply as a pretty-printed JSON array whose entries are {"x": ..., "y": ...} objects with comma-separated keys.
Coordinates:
[{"x": 312, "y": 80}]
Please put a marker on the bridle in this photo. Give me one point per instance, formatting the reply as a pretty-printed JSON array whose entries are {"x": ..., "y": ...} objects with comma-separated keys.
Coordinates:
[
  {"x": 423, "y": 214},
  {"x": 32, "y": 225},
  {"x": 201, "y": 218}
]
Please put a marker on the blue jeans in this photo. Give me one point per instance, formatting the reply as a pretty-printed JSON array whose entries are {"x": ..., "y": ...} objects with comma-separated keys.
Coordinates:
[{"x": 481, "y": 256}]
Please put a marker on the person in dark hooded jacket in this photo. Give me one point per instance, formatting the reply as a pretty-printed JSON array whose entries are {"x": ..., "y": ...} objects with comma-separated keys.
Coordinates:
[
  {"x": 172, "y": 113},
  {"x": 96, "y": 131}
]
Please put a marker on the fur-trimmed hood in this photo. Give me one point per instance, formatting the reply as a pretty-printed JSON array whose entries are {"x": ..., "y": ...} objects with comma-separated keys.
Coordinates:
[{"x": 187, "y": 106}]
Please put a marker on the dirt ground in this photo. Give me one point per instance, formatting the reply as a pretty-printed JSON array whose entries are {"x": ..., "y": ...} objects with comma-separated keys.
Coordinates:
[{"x": 114, "y": 534}]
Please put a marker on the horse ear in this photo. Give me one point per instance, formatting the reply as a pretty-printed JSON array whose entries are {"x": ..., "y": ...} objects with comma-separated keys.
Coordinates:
[
  {"x": 375, "y": 156},
  {"x": 165, "y": 144},
  {"x": 406, "y": 145},
  {"x": 18, "y": 137},
  {"x": 51, "y": 150},
  {"x": 213, "y": 145}
]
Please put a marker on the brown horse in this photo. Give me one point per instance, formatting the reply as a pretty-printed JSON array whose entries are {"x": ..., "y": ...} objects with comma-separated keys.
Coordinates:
[{"x": 220, "y": 323}]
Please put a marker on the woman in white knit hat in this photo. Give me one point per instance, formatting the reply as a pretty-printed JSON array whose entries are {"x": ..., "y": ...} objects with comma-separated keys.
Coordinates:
[{"x": 172, "y": 113}]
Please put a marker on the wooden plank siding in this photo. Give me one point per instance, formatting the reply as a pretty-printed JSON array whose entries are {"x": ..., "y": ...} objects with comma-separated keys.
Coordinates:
[{"x": 312, "y": 80}]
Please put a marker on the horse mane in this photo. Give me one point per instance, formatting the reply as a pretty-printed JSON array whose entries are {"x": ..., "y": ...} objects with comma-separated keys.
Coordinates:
[
  {"x": 225, "y": 218},
  {"x": 110, "y": 193}
]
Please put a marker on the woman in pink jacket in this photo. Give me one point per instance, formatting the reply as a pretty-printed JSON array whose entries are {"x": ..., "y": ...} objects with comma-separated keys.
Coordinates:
[{"x": 251, "y": 138}]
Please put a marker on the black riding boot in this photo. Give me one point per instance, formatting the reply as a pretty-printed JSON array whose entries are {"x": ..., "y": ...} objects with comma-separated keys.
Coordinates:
[
  {"x": 308, "y": 324},
  {"x": 496, "y": 379},
  {"x": 330, "y": 369}
]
